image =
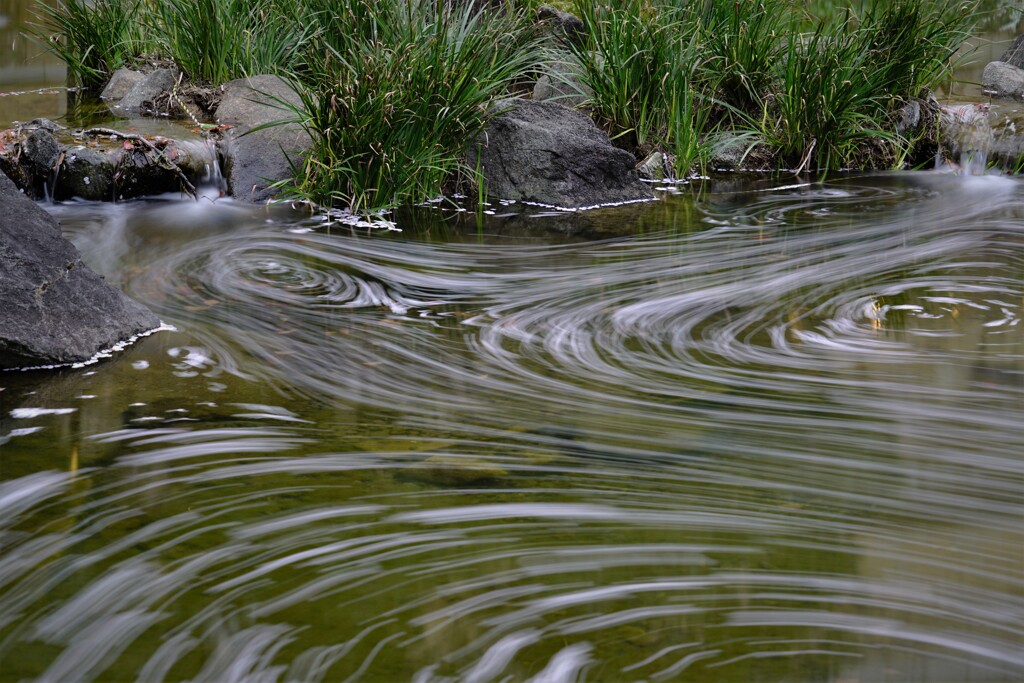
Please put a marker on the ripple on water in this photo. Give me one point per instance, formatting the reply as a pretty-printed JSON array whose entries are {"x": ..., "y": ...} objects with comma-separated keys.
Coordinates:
[{"x": 786, "y": 447}]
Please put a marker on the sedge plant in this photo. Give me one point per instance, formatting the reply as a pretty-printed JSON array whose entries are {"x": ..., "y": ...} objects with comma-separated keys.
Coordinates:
[
  {"x": 93, "y": 37},
  {"x": 398, "y": 91}
]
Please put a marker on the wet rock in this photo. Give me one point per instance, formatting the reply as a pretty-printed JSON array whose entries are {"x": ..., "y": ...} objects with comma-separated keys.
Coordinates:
[
  {"x": 565, "y": 27},
  {"x": 56, "y": 310},
  {"x": 729, "y": 155},
  {"x": 549, "y": 154},
  {"x": 146, "y": 91},
  {"x": 1001, "y": 79},
  {"x": 101, "y": 167},
  {"x": 121, "y": 83},
  {"x": 1014, "y": 55},
  {"x": 653, "y": 167},
  {"x": 40, "y": 154},
  {"x": 87, "y": 174},
  {"x": 253, "y": 161}
]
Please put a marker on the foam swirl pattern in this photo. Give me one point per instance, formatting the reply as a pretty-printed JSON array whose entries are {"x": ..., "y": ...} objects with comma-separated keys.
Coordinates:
[{"x": 781, "y": 441}]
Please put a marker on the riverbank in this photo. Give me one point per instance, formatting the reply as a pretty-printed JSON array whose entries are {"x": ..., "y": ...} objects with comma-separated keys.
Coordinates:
[{"x": 393, "y": 95}]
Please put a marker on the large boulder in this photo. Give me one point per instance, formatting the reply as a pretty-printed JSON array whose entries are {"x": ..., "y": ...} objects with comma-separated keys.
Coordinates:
[
  {"x": 256, "y": 159},
  {"x": 55, "y": 309},
  {"x": 547, "y": 154},
  {"x": 1002, "y": 79}
]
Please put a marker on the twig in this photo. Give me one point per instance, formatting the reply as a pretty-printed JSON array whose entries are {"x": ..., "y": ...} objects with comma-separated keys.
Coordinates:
[
  {"x": 807, "y": 157},
  {"x": 170, "y": 165}
]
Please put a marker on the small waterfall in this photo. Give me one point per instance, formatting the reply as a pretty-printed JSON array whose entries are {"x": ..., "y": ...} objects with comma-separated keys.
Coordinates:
[
  {"x": 50, "y": 185},
  {"x": 201, "y": 161},
  {"x": 214, "y": 177},
  {"x": 966, "y": 139}
]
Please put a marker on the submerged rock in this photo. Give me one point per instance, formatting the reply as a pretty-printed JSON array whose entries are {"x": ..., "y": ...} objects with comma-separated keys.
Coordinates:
[
  {"x": 55, "y": 309},
  {"x": 1001, "y": 79},
  {"x": 255, "y": 160},
  {"x": 545, "y": 153}
]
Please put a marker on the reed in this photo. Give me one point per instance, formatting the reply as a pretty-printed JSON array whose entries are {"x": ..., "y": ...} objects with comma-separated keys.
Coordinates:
[
  {"x": 396, "y": 93},
  {"x": 219, "y": 40},
  {"x": 93, "y": 37},
  {"x": 839, "y": 84},
  {"x": 678, "y": 73}
]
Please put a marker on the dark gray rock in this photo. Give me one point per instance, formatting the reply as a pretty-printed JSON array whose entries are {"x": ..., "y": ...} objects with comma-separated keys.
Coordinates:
[
  {"x": 87, "y": 173},
  {"x": 545, "y": 153},
  {"x": 146, "y": 91},
  {"x": 40, "y": 155},
  {"x": 566, "y": 27},
  {"x": 55, "y": 309},
  {"x": 1001, "y": 79},
  {"x": 1014, "y": 55},
  {"x": 121, "y": 83},
  {"x": 255, "y": 160}
]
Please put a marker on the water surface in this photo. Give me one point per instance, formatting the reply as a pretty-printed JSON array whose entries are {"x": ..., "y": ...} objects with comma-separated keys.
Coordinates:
[
  {"x": 761, "y": 430},
  {"x": 740, "y": 435}
]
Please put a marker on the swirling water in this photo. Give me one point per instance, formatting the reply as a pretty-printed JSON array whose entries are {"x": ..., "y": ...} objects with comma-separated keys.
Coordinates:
[{"x": 746, "y": 434}]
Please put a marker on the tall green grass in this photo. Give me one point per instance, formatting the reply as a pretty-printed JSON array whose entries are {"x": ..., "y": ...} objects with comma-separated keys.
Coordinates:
[
  {"x": 219, "y": 40},
  {"x": 839, "y": 85},
  {"x": 652, "y": 86},
  {"x": 93, "y": 37},
  {"x": 820, "y": 99},
  {"x": 393, "y": 91},
  {"x": 398, "y": 92}
]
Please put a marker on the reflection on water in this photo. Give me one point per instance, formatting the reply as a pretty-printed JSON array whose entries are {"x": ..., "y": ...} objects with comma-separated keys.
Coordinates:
[
  {"x": 766, "y": 435},
  {"x": 31, "y": 80}
]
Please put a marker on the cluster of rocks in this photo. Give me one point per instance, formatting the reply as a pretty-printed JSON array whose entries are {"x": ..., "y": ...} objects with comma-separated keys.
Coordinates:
[
  {"x": 50, "y": 162},
  {"x": 1001, "y": 135},
  {"x": 58, "y": 311}
]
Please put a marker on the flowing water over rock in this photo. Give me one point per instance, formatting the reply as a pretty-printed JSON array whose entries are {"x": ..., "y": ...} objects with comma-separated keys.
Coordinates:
[{"x": 751, "y": 435}]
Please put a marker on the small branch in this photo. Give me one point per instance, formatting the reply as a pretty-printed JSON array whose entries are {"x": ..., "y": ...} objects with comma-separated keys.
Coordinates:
[
  {"x": 807, "y": 157},
  {"x": 170, "y": 165}
]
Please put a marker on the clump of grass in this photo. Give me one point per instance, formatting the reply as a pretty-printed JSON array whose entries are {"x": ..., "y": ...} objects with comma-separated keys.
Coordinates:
[
  {"x": 646, "y": 67},
  {"x": 744, "y": 43},
  {"x": 93, "y": 37},
  {"x": 397, "y": 94},
  {"x": 677, "y": 73},
  {"x": 839, "y": 85},
  {"x": 219, "y": 40}
]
